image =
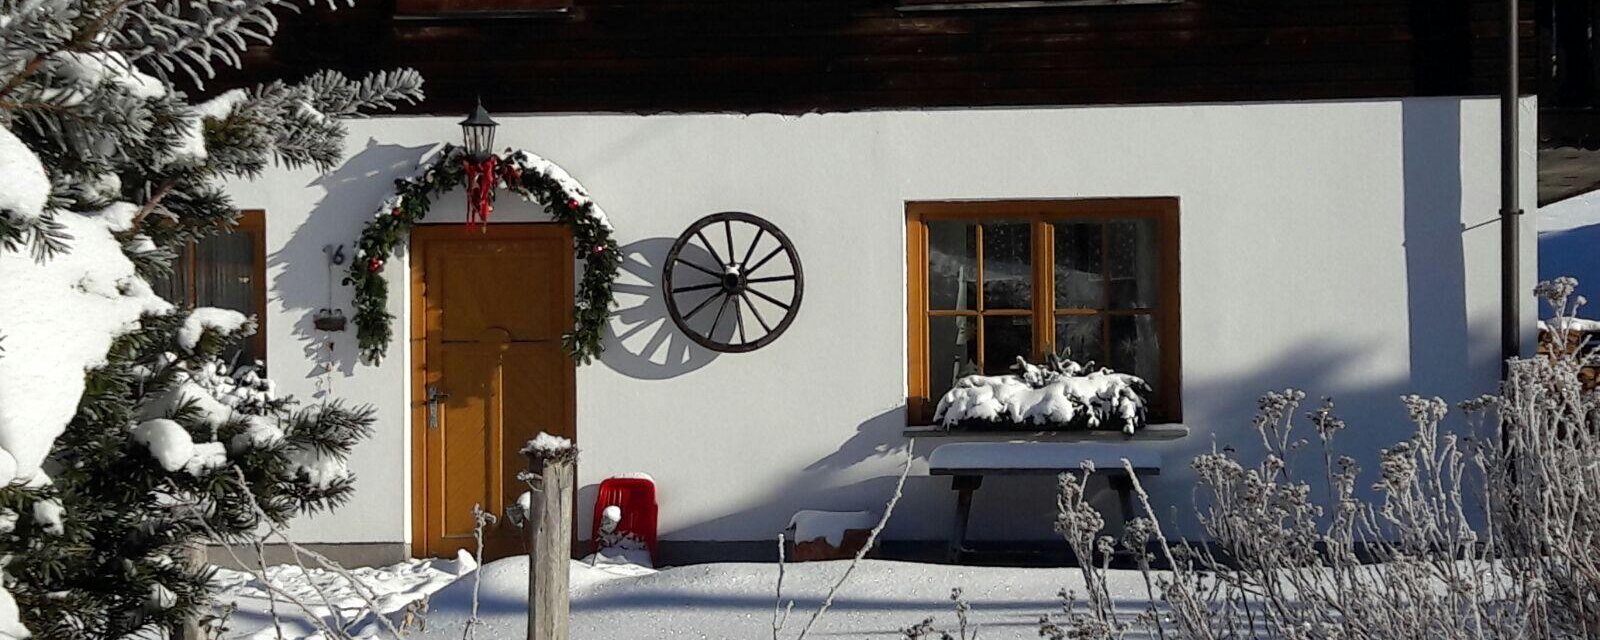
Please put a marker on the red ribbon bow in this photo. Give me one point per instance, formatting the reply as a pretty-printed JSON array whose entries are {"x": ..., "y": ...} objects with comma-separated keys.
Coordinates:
[{"x": 481, "y": 179}]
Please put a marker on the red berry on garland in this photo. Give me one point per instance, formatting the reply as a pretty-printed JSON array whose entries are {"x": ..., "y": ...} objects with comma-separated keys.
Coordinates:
[
  {"x": 572, "y": 203},
  {"x": 395, "y": 212},
  {"x": 374, "y": 265},
  {"x": 599, "y": 249}
]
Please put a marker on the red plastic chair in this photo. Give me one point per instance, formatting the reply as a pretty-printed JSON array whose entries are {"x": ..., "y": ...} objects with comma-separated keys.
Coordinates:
[{"x": 636, "y": 496}]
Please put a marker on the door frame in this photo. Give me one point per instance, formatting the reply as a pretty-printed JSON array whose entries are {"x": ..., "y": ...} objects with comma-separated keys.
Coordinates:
[{"x": 420, "y": 237}]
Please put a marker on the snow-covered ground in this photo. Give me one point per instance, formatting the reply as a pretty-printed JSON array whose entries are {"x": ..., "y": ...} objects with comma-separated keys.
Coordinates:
[
  {"x": 390, "y": 588},
  {"x": 1569, "y": 234},
  {"x": 730, "y": 600}
]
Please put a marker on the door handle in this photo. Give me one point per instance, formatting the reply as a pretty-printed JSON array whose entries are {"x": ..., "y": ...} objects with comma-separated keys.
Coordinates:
[{"x": 434, "y": 398}]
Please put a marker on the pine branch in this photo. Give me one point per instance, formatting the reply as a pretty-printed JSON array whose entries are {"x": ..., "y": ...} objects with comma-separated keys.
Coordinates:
[
  {"x": 43, "y": 235},
  {"x": 82, "y": 39},
  {"x": 151, "y": 204}
]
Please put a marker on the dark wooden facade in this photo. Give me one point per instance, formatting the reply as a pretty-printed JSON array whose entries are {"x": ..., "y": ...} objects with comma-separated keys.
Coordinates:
[
  {"x": 1569, "y": 98},
  {"x": 1569, "y": 73},
  {"x": 829, "y": 55}
]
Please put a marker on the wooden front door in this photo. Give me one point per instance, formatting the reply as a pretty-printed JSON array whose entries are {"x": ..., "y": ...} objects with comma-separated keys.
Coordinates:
[{"x": 488, "y": 312}]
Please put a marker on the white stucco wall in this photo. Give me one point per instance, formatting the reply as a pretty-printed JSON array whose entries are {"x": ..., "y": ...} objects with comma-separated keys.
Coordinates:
[{"x": 1341, "y": 247}]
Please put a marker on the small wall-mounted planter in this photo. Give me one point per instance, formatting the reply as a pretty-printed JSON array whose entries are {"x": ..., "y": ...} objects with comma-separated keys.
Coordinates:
[
  {"x": 829, "y": 535},
  {"x": 328, "y": 320}
]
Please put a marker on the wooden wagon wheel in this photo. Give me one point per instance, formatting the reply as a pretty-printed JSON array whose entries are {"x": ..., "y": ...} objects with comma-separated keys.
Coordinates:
[{"x": 727, "y": 266}]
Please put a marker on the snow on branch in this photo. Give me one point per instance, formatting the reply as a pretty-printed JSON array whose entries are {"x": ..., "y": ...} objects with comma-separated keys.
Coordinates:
[
  {"x": 1060, "y": 394},
  {"x": 64, "y": 315},
  {"x": 24, "y": 194},
  {"x": 174, "y": 449},
  {"x": 223, "y": 321},
  {"x": 24, "y": 187}
]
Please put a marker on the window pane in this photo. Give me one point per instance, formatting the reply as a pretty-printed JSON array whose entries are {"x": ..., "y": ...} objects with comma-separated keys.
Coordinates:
[
  {"x": 1079, "y": 279},
  {"x": 952, "y": 352},
  {"x": 1005, "y": 338},
  {"x": 1078, "y": 338},
  {"x": 224, "y": 277},
  {"x": 1008, "y": 265},
  {"x": 1135, "y": 348},
  {"x": 952, "y": 265},
  {"x": 1132, "y": 263}
]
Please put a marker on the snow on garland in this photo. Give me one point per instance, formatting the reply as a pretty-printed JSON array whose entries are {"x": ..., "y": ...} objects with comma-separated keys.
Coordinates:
[
  {"x": 527, "y": 175},
  {"x": 1061, "y": 393}
]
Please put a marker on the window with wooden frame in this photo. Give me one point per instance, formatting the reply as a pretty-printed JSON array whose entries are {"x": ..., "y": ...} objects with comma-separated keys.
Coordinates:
[
  {"x": 227, "y": 271},
  {"x": 1092, "y": 279}
]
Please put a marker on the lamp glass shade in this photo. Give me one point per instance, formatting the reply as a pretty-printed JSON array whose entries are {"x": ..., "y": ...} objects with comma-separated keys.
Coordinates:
[{"x": 477, "y": 133}]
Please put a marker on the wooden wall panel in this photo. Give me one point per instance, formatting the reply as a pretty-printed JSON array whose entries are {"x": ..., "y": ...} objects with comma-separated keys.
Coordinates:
[{"x": 828, "y": 55}]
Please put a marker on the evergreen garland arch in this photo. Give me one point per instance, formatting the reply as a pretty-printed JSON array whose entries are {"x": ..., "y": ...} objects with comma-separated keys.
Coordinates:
[{"x": 531, "y": 177}]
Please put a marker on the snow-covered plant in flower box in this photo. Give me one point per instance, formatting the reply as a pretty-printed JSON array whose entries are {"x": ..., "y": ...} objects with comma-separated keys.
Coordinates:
[{"x": 1059, "y": 395}]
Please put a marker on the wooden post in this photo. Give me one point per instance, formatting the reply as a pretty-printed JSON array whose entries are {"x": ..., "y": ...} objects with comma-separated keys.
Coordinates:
[
  {"x": 550, "y": 545},
  {"x": 194, "y": 556}
]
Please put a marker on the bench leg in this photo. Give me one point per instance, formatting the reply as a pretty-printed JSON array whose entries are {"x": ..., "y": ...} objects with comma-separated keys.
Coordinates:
[{"x": 964, "y": 486}]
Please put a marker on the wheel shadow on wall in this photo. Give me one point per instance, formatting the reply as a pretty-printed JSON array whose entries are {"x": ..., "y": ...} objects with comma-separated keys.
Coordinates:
[{"x": 641, "y": 340}]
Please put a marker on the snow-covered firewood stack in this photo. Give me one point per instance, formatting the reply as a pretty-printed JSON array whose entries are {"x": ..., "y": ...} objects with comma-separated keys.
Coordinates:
[
  {"x": 1060, "y": 394},
  {"x": 1568, "y": 334},
  {"x": 1572, "y": 335}
]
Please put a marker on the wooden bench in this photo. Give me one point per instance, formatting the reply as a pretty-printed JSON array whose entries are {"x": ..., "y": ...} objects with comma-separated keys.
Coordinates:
[{"x": 968, "y": 462}]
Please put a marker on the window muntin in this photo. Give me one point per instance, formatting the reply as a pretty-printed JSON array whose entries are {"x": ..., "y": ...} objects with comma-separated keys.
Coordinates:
[{"x": 1089, "y": 279}]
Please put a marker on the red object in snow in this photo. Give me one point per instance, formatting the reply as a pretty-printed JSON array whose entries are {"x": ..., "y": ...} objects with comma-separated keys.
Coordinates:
[{"x": 636, "y": 496}]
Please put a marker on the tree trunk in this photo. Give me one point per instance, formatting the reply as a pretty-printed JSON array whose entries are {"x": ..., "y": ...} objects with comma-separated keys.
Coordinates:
[
  {"x": 550, "y": 527},
  {"x": 194, "y": 556}
]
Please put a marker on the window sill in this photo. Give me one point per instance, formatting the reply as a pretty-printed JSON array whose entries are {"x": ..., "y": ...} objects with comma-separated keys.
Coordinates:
[{"x": 1151, "y": 433}]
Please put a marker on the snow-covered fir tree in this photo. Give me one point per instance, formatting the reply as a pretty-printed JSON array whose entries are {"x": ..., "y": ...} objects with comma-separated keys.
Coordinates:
[{"x": 125, "y": 439}]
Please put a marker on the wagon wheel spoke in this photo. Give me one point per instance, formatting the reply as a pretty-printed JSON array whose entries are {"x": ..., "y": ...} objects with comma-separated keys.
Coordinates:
[
  {"x": 699, "y": 268},
  {"x": 751, "y": 251},
  {"x": 738, "y": 315},
  {"x": 703, "y": 304},
  {"x": 771, "y": 279},
  {"x": 769, "y": 299},
  {"x": 712, "y": 249},
  {"x": 753, "y": 311},
  {"x": 763, "y": 261},
  {"x": 712, "y": 333},
  {"x": 727, "y": 228},
  {"x": 698, "y": 287}
]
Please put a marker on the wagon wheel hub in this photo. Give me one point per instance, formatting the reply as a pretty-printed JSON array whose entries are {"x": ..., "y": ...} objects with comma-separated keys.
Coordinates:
[{"x": 733, "y": 281}]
